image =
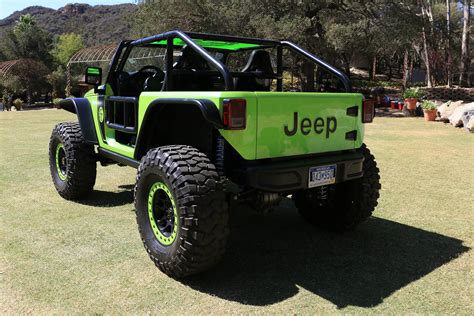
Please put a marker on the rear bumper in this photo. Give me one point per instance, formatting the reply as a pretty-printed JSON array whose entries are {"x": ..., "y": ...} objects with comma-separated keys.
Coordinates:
[{"x": 292, "y": 175}]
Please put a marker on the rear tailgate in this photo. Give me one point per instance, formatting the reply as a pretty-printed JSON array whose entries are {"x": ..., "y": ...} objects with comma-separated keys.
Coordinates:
[{"x": 296, "y": 123}]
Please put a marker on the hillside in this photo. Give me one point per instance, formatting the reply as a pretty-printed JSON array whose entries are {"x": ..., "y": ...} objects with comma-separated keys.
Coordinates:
[{"x": 101, "y": 24}]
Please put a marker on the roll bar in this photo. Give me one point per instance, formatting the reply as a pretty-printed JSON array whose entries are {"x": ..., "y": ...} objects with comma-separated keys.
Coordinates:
[
  {"x": 226, "y": 74},
  {"x": 229, "y": 82},
  {"x": 339, "y": 74}
]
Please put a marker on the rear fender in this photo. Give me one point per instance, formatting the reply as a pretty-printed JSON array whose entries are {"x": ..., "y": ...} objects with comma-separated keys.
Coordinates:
[
  {"x": 208, "y": 110},
  {"x": 82, "y": 108}
]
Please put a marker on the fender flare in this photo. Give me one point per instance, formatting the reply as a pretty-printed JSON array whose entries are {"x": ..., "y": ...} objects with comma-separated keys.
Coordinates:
[
  {"x": 82, "y": 108},
  {"x": 208, "y": 109}
]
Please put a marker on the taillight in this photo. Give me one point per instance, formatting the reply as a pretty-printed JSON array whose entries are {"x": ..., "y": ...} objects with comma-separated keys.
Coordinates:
[
  {"x": 368, "y": 111},
  {"x": 234, "y": 113}
]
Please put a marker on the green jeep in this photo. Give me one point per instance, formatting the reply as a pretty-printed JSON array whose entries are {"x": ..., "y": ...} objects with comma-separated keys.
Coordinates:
[{"x": 204, "y": 132}]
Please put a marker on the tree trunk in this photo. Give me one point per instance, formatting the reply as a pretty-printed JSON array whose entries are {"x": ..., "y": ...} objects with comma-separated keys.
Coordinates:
[
  {"x": 405, "y": 69},
  {"x": 448, "y": 43},
  {"x": 426, "y": 60},
  {"x": 307, "y": 72},
  {"x": 374, "y": 68},
  {"x": 347, "y": 65},
  {"x": 426, "y": 12},
  {"x": 465, "y": 60}
]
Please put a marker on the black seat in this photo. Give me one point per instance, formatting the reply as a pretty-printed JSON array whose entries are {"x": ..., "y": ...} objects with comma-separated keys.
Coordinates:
[
  {"x": 192, "y": 72},
  {"x": 126, "y": 86},
  {"x": 260, "y": 66},
  {"x": 155, "y": 82}
]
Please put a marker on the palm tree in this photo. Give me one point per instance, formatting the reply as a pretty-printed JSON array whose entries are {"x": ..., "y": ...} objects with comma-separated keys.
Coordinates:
[{"x": 24, "y": 22}]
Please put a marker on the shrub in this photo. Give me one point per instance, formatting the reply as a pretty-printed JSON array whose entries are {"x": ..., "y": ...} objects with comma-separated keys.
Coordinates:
[
  {"x": 56, "y": 101},
  {"x": 18, "y": 104},
  {"x": 412, "y": 93},
  {"x": 428, "y": 105}
]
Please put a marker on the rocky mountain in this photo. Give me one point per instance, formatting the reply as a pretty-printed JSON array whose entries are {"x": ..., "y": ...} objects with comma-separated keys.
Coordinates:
[{"x": 100, "y": 24}]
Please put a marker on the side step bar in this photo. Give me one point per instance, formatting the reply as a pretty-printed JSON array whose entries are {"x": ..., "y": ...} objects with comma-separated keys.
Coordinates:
[{"x": 118, "y": 158}]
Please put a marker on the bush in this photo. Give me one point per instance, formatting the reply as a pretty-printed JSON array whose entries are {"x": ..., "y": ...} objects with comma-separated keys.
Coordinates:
[
  {"x": 428, "y": 105},
  {"x": 56, "y": 101},
  {"x": 18, "y": 104},
  {"x": 412, "y": 93}
]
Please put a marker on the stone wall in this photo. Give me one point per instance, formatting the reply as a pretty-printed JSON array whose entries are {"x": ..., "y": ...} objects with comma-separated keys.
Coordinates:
[{"x": 465, "y": 94}]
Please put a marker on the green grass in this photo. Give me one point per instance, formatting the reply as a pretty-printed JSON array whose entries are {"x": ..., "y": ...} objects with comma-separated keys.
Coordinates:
[{"x": 414, "y": 255}]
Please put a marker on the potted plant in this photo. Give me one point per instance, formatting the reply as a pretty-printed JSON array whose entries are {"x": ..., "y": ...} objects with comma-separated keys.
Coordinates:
[
  {"x": 411, "y": 96},
  {"x": 429, "y": 110}
]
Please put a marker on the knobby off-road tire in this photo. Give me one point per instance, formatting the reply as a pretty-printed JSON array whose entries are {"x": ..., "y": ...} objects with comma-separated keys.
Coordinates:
[
  {"x": 348, "y": 204},
  {"x": 181, "y": 211},
  {"x": 72, "y": 162}
]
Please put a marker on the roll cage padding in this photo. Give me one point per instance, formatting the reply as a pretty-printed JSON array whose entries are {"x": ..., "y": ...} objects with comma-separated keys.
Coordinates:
[
  {"x": 208, "y": 110},
  {"x": 82, "y": 108}
]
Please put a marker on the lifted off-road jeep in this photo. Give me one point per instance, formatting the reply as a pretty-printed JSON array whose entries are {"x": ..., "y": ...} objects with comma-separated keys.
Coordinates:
[{"x": 204, "y": 131}]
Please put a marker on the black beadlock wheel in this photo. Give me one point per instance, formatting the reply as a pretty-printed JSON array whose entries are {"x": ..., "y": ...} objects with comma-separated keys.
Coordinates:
[
  {"x": 72, "y": 162},
  {"x": 346, "y": 204},
  {"x": 181, "y": 211}
]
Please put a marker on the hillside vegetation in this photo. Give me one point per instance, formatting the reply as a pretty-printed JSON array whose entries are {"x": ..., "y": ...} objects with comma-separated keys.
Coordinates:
[{"x": 101, "y": 24}]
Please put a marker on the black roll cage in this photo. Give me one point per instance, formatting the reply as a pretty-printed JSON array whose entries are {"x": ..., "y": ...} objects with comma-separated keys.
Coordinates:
[{"x": 187, "y": 38}]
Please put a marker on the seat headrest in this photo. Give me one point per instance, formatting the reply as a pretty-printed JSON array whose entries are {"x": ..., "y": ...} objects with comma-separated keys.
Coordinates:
[
  {"x": 191, "y": 60},
  {"x": 259, "y": 60}
]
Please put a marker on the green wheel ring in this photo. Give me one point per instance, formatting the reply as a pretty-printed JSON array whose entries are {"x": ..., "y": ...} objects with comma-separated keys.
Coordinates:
[
  {"x": 61, "y": 175},
  {"x": 166, "y": 241}
]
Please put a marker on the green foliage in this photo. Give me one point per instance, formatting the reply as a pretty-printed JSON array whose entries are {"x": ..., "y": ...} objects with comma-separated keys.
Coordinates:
[
  {"x": 66, "y": 46},
  {"x": 27, "y": 76},
  {"x": 27, "y": 40},
  {"x": 57, "y": 80},
  {"x": 414, "y": 93},
  {"x": 57, "y": 100},
  {"x": 428, "y": 105},
  {"x": 24, "y": 23}
]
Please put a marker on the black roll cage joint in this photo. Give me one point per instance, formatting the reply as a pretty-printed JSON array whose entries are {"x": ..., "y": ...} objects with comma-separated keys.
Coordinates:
[{"x": 186, "y": 37}]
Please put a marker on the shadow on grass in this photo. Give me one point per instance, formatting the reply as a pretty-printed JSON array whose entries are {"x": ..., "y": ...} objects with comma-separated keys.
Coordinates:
[
  {"x": 108, "y": 199},
  {"x": 269, "y": 256}
]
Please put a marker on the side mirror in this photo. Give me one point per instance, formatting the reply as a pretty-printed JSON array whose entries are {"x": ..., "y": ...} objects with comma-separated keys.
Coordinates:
[{"x": 93, "y": 76}]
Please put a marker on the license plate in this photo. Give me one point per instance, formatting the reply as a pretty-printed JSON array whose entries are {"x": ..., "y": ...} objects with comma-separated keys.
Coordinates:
[{"x": 322, "y": 175}]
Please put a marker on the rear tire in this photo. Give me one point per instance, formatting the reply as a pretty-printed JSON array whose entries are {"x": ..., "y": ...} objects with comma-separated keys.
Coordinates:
[
  {"x": 181, "y": 211},
  {"x": 72, "y": 161},
  {"x": 347, "y": 204}
]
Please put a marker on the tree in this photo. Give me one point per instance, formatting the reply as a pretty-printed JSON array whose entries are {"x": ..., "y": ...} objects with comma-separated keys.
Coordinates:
[
  {"x": 27, "y": 76},
  {"x": 66, "y": 46},
  {"x": 57, "y": 80},
  {"x": 393, "y": 35},
  {"x": 448, "y": 42},
  {"x": 465, "y": 59},
  {"x": 24, "y": 23},
  {"x": 27, "y": 40}
]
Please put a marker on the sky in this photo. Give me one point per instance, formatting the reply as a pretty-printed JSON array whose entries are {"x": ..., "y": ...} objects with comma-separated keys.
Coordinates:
[{"x": 7, "y": 7}]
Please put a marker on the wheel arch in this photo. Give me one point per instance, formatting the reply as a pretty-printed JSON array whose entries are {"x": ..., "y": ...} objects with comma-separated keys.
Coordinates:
[
  {"x": 172, "y": 121},
  {"x": 82, "y": 108}
]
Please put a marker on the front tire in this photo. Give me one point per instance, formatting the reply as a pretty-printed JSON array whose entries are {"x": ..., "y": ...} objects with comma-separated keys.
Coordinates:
[
  {"x": 346, "y": 204},
  {"x": 181, "y": 210},
  {"x": 72, "y": 161}
]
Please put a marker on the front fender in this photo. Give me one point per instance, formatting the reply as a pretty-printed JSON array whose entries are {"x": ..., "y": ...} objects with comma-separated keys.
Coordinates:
[{"x": 82, "y": 108}]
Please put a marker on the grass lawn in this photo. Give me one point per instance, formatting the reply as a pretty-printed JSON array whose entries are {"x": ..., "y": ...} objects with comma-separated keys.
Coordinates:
[{"x": 414, "y": 255}]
